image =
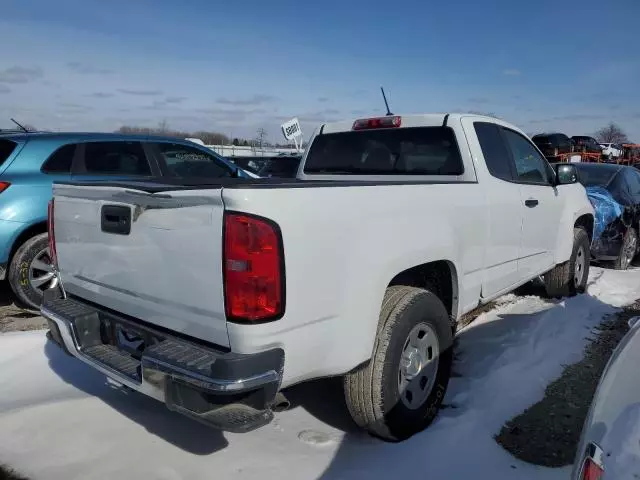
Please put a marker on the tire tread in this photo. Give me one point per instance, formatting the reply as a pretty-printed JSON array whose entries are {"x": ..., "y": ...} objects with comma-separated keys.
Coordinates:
[{"x": 364, "y": 394}]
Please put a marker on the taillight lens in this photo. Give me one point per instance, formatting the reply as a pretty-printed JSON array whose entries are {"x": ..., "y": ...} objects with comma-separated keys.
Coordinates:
[
  {"x": 593, "y": 466},
  {"x": 52, "y": 237},
  {"x": 591, "y": 471},
  {"x": 4, "y": 186},
  {"x": 253, "y": 268},
  {"x": 378, "y": 122}
]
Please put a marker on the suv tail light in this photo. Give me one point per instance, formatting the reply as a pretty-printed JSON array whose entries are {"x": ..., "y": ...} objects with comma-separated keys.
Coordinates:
[
  {"x": 4, "y": 186},
  {"x": 378, "y": 122},
  {"x": 253, "y": 268},
  {"x": 53, "y": 254}
]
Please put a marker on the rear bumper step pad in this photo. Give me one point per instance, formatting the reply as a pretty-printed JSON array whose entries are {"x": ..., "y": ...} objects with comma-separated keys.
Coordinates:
[{"x": 225, "y": 390}]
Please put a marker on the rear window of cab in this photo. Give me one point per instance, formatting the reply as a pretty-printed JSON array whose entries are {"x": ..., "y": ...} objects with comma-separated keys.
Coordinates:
[{"x": 386, "y": 151}]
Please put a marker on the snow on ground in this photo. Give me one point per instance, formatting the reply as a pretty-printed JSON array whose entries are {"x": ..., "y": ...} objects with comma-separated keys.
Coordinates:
[{"x": 59, "y": 419}]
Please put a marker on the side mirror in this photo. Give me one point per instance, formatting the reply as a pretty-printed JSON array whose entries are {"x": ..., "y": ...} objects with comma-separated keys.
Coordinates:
[{"x": 566, "y": 173}]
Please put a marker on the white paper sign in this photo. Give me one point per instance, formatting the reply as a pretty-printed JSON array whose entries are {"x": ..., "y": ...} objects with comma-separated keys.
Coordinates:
[{"x": 291, "y": 129}]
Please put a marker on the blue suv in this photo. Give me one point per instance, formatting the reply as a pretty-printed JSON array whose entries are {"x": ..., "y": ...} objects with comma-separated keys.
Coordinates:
[{"x": 31, "y": 162}]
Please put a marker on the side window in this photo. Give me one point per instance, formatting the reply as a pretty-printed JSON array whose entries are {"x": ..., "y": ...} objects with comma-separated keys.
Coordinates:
[
  {"x": 116, "y": 158},
  {"x": 60, "y": 160},
  {"x": 531, "y": 167},
  {"x": 185, "y": 161},
  {"x": 6, "y": 149},
  {"x": 494, "y": 150}
]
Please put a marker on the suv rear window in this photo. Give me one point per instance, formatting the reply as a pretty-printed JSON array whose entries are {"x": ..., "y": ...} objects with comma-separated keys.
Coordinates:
[
  {"x": 60, "y": 160},
  {"x": 401, "y": 151},
  {"x": 6, "y": 149}
]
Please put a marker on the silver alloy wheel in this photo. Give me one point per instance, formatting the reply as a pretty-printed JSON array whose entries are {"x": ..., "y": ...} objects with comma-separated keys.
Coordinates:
[
  {"x": 418, "y": 365},
  {"x": 42, "y": 274},
  {"x": 629, "y": 251},
  {"x": 578, "y": 268}
]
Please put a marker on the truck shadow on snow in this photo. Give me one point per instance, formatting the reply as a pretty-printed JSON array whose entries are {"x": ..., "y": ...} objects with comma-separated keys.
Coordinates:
[
  {"x": 173, "y": 428},
  {"x": 515, "y": 354},
  {"x": 481, "y": 350}
]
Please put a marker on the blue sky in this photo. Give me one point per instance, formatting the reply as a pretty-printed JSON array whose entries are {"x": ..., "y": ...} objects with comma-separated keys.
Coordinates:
[{"x": 237, "y": 66}]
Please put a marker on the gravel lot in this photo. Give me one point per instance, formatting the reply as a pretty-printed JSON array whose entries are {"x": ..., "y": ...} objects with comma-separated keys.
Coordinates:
[
  {"x": 14, "y": 318},
  {"x": 548, "y": 432}
]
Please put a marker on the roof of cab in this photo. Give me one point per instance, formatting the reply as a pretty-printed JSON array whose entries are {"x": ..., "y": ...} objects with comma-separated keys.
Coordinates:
[{"x": 411, "y": 120}]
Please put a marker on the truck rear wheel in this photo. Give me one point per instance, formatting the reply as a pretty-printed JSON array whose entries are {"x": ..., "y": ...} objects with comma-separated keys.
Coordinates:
[
  {"x": 571, "y": 277},
  {"x": 398, "y": 393},
  {"x": 31, "y": 272}
]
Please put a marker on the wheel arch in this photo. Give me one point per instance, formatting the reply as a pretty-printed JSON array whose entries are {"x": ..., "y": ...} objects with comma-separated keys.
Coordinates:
[
  {"x": 439, "y": 276},
  {"x": 571, "y": 219},
  {"x": 29, "y": 232},
  {"x": 585, "y": 221}
]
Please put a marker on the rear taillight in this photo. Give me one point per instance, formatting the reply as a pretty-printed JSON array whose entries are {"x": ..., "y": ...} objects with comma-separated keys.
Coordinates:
[
  {"x": 591, "y": 471},
  {"x": 52, "y": 237},
  {"x": 592, "y": 467},
  {"x": 4, "y": 186},
  {"x": 253, "y": 268},
  {"x": 391, "y": 121}
]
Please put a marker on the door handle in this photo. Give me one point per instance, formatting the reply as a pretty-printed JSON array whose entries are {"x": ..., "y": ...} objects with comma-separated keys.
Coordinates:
[
  {"x": 115, "y": 219},
  {"x": 531, "y": 202}
]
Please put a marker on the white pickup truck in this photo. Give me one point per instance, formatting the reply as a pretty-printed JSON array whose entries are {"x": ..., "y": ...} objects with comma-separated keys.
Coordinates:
[{"x": 213, "y": 295}]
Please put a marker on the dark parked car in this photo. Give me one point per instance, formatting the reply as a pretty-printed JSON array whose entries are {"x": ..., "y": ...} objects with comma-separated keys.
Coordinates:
[
  {"x": 552, "y": 144},
  {"x": 614, "y": 192},
  {"x": 586, "y": 144},
  {"x": 283, "y": 166},
  {"x": 250, "y": 164}
]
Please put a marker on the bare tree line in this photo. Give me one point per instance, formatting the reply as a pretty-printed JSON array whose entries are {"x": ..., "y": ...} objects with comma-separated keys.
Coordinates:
[
  {"x": 612, "y": 133},
  {"x": 209, "y": 138}
]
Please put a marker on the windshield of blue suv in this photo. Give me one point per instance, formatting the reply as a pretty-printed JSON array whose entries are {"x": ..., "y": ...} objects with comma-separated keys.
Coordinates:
[{"x": 185, "y": 161}]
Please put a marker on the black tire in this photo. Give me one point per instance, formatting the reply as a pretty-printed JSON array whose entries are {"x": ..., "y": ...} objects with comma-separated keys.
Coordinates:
[
  {"x": 27, "y": 295},
  {"x": 560, "y": 281},
  {"x": 630, "y": 241},
  {"x": 371, "y": 391}
]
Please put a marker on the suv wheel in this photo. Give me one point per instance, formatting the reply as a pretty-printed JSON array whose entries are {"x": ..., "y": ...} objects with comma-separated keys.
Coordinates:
[
  {"x": 628, "y": 250},
  {"x": 31, "y": 271}
]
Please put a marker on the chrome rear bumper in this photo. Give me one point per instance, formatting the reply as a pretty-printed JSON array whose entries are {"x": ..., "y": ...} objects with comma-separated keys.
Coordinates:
[{"x": 229, "y": 391}]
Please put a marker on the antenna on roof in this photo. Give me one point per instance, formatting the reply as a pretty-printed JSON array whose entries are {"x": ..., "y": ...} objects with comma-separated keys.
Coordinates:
[
  {"x": 21, "y": 127},
  {"x": 386, "y": 104}
]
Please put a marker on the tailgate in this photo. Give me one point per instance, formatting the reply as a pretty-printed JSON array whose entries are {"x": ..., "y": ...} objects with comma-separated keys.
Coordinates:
[{"x": 155, "y": 257}]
